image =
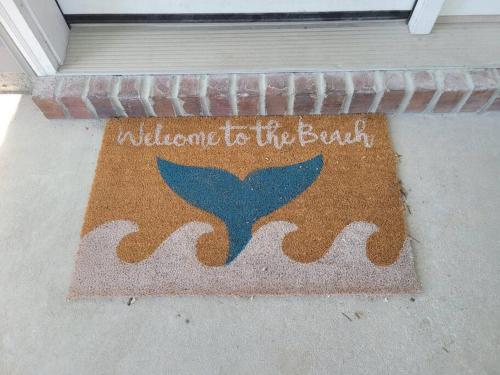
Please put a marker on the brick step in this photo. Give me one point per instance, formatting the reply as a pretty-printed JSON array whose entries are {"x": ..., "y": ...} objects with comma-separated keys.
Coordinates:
[{"x": 437, "y": 91}]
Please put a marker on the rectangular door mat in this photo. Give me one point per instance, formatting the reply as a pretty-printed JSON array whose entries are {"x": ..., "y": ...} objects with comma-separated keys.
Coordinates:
[{"x": 245, "y": 206}]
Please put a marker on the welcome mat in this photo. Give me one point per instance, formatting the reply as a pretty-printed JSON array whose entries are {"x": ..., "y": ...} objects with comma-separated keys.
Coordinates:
[{"x": 245, "y": 206}]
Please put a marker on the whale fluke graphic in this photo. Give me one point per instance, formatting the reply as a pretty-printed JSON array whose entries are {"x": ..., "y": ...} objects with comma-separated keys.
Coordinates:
[{"x": 239, "y": 203}]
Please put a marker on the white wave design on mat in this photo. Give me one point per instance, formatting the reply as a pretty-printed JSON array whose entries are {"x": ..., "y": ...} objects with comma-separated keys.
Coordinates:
[{"x": 261, "y": 268}]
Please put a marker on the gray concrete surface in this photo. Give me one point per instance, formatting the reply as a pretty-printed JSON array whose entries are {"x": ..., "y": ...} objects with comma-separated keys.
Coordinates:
[{"x": 450, "y": 167}]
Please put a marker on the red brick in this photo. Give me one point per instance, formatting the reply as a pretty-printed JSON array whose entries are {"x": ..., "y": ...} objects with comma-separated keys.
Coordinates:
[
  {"x": 364, "y": 92},
  {"x": 71, "y": 95},
  {"x": 305, "y": 93},
  {"x": 424, "y": 89},
  {"x": 129, "y": 95},
  {"x": 161, "y": 96},
  {"x": 394, "y": 91},
  {"x": 248, "y": 106},
  {"x": 189, "y": 94},
  {"x": 99, "y": 95},
  {"x": 485, "y": 86},
  {"x": 49, "y": 107},
  {"x": 454, "y": 88},
  {"x": 219, "y": 96},
  {"x": 495, "y": 105},
  {"x": 43, "y": 95},
  {"x": 248, "y": 94},
  {"x": 335, "y": 93},
  {"x": 277, "y": 94}
]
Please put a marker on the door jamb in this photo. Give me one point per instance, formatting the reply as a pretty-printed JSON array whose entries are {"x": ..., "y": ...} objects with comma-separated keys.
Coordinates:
[
  {"x": 424, "y": 16},
  {"x": 39, "y": 31}
]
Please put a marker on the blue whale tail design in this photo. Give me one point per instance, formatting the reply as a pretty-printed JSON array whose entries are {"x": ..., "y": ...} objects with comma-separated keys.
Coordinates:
[{"x": 239, "y": 203}]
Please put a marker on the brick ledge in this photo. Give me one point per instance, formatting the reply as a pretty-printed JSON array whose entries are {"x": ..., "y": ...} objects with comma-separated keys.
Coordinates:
[{"x": 437, "y": 91}]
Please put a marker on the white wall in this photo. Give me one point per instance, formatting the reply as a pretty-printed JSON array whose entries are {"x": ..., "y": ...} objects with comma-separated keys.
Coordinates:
[{"x": 470, "y": 7}]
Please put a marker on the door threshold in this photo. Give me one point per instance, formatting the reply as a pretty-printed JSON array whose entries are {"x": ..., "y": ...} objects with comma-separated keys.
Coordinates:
[{"x": 263, "y": 48}]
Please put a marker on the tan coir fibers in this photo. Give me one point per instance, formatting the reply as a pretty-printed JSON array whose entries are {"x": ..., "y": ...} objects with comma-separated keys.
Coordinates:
[{"x": 245, "y": 206}]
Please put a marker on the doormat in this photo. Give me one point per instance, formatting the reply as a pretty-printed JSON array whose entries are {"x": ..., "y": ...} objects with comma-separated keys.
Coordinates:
[{"x": 245, "y": 206}]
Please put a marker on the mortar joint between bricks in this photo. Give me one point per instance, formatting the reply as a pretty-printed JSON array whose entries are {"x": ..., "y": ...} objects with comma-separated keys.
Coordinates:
[
  {"x": 496, "y": 95},
  {"x": 204, "y": 100},
  {"x": 466, "y": 95},
  {"x": 146, "y": 88},
  {"x": 320, "y": 93},
  {"x": 262, "y": 94},
  {"x": 349, "y": 89},
  {"x": 85, "y": 93},
  {"x": 114, "y": 96},
  {"x": 233, "y": 88},
  {"x": 409, "y": 91},
  {"x": 379, "y": 87},
  {"x": 291, "y": 93},
  {"x": 439, "y": 79},
  {"x": 57, "y": 94},
  {"x": 178, "y": 108}
]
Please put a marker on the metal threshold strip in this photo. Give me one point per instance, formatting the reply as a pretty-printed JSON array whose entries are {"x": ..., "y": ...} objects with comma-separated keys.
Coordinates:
[{"x": 283, "y": 47}]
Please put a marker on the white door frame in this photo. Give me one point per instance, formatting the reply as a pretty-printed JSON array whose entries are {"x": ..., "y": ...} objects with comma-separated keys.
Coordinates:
[
  {"x": 424, "y": 16},
  {"x": 38, "y": 29},
  {"x": 16, "y": 54}
]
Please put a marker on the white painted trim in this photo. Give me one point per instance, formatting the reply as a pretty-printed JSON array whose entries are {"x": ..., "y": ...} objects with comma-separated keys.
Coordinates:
[
  {"x": 424, "y": 16},
  {"x": 39, "y": 31},
  {"x": 50, "y": 21},
  {"x": 11, "y": 46},
  {"x": 224, "y": 6}
]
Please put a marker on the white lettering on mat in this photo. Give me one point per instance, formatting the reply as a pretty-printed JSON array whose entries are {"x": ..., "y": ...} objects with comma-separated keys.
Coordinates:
[{"x": 229, "y": 135}]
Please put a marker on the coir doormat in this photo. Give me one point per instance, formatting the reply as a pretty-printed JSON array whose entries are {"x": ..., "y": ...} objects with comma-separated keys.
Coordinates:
[{"x": 245, "y": 206}]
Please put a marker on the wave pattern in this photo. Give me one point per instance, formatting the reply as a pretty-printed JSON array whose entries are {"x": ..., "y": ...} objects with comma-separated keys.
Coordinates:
[{"x": 262, "y": 268}]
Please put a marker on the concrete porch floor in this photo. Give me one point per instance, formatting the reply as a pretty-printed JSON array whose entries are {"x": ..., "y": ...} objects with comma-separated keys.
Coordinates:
[{"x": 450, "y": 167}]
